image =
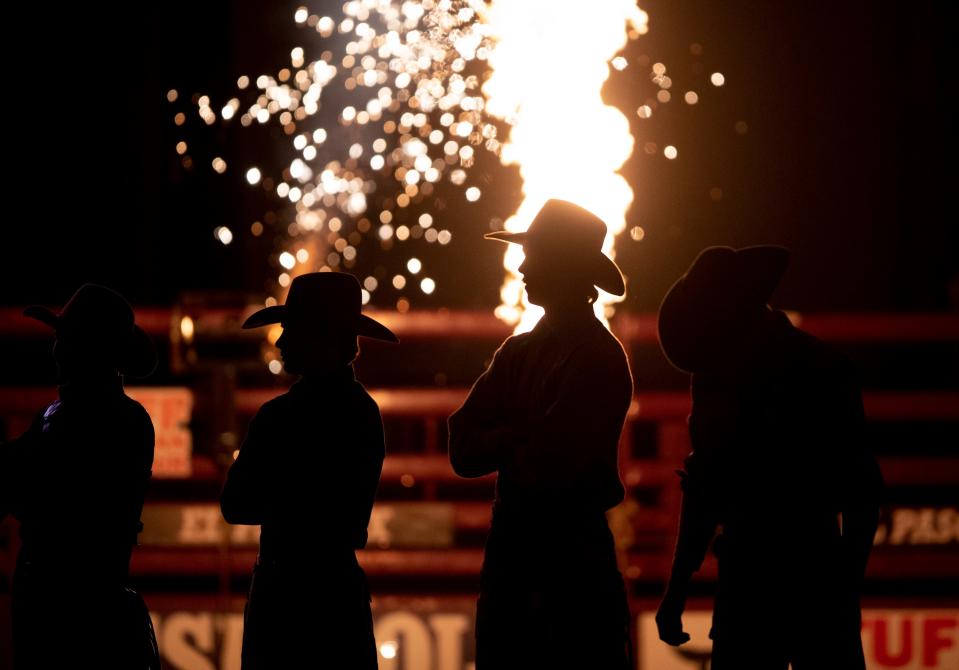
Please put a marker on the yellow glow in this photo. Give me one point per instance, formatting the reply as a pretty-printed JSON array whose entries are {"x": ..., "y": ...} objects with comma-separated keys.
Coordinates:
[
  {"x": 187, "y": 329},
  {"x": 555, "y": 100},
  {"x": 273, "y": 333}
]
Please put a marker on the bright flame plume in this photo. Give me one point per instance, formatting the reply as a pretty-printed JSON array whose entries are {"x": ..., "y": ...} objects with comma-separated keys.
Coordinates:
[{"x": 549, "y": 62}]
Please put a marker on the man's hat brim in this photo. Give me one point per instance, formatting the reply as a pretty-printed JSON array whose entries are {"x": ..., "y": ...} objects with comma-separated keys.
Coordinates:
[
  {"x": 602, "y": 269},
  {"x": 139, "y": 358},
  {"x": 42, "y": 314},
  {"x": 698, "y": 316},
  {"x": 363, "y": 325}
]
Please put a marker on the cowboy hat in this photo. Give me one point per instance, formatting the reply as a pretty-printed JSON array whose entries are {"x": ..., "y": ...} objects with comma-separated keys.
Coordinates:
[
  {"x": 573, "y": 236},
  {"x": 709, "y": 308},
  {"x": 323, "y": 300},
  {"x": 102, "y": 313}
]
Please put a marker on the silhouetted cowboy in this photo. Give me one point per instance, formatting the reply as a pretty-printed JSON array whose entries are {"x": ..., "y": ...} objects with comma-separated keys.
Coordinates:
[
  {"x": 76, "y": 481},
  {"x": 547, "y": 415},
  {"x": 307, "y": 473},
  {"x": 778, "y": 464}
]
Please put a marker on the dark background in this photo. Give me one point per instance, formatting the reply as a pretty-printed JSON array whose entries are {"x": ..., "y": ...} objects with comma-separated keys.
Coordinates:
[{"x": 847, "y": 159}]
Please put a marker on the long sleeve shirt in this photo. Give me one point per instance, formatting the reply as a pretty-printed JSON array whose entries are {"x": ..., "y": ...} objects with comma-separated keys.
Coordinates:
[
  {"x": 77, "y": 479},
  {"x": 778, "y": 456},
  {"x": 547, "y": 416},
  {"x": 308, "y": 469}
]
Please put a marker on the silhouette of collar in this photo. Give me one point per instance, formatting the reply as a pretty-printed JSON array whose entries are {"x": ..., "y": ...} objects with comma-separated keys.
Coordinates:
[
  {"x": 314, "y": 383},
  {"x": 91, "y": 388},
  {"x": 566, "y": 320}
]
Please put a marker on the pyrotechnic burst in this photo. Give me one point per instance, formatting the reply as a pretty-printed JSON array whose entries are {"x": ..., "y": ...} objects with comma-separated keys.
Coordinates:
[
  {"x": 387, "y": 102},
  {"x": 548, "y": 68},
  {"x": 403, "y": 81}
]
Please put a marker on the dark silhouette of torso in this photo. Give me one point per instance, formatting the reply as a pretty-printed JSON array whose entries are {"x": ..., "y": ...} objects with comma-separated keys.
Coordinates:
[
  {"x": 307, "y": 473},
  {"x": 546, "y": 416},
  {"x": 76, "y": 481},
  {"x": 780, "y": 467}
]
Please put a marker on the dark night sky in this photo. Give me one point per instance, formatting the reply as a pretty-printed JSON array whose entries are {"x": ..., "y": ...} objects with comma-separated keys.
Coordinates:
[{"x": 847, "y": 158}]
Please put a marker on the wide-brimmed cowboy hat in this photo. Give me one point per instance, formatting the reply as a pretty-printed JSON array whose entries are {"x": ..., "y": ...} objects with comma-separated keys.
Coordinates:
[
  {"x": 99, "y": 313},
  {"x": 707, "y": 311},
  {"x": 573, "y": 237},
  {"x": 323, "y": 301}
]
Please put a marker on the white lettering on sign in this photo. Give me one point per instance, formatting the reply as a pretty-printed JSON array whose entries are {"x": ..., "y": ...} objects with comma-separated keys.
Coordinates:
[
  {"x": 186, "y": 639},
  {"x": 919, "y": 526},
  {"x": 904, "y": 639},
  {"x": 208, "y": 641},
  {"x": 170, "y": 409},
  {"x": 449, "y": 630}
]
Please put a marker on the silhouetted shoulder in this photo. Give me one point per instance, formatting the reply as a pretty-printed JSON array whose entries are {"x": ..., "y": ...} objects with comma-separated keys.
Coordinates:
[
  {"x": 137, "y": 412},
  {"x": 602, "y": 348},
  {"x": 807, "y": 355},
  {"x": 512, "y": 347},
  {"x": 141, "y": 421},
  {"x": 363, "y": 399}
]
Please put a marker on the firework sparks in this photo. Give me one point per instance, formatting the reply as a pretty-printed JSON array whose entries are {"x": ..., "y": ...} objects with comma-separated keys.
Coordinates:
[
  {"x": 389, "y": 110},
  {"x": 395, "y": 105}
]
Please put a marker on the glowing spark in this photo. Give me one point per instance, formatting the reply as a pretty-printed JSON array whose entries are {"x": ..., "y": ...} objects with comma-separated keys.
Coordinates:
[
  {"x": 187, "y": 329},
  {"x": 223, "y": 234}
]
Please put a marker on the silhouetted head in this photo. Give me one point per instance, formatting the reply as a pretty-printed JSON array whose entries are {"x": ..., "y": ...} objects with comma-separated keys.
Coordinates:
[
  {"x": 321, "y": 321},
  {"x": 564, "y": 256},
  {"x": 708, "y": 314},
  {"x": 96, "y": 336}
]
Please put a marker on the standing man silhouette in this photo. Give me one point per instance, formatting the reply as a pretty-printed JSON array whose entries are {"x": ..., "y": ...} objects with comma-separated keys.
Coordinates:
[
  {"x": 76, "y": 481},
  {"x": 778, "y": 464},
  {"x": 307, "y": 474},
  {"x": 546, "y": 416}
]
